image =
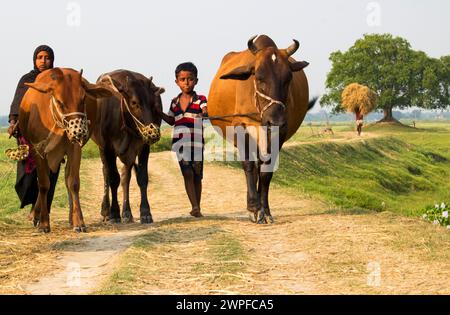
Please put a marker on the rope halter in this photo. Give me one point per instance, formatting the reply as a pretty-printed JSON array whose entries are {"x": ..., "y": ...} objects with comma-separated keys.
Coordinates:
[
  {"x": 271, "y": 101},
  {"x": 76, "y": 128},
  {"x": 150, "y": 133}
]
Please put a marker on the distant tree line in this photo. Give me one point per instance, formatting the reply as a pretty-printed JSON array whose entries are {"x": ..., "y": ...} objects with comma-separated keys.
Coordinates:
[
  {"x": 4, "y": 121},
  {"x": 323, "y": 116}
]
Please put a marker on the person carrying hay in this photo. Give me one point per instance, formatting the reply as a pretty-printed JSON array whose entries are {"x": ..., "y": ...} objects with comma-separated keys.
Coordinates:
[{"x": 360, "y": 100}]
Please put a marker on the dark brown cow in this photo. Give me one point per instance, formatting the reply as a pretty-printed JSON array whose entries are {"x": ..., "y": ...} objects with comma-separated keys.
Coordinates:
[
  {"x": 126, "y": 125},
  {"x": 261, "y": 86},
  {"x": 52, "y": 118}
]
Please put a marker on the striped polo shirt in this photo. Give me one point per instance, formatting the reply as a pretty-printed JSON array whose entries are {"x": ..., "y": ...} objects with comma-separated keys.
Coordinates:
[{"x": 188, "y": 127}]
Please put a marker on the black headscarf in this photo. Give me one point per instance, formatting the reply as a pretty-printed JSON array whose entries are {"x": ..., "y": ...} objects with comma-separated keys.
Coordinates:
[
  {"x": 48, "y": 50},
  {"x": 30, "y": 77}
]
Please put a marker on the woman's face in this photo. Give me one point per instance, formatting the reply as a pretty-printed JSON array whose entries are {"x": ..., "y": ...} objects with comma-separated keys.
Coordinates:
[{"x": 43, "y": 61}]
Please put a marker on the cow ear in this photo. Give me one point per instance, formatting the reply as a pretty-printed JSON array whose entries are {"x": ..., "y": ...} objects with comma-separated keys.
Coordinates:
[
  {"x": 97, "y": 91},
  {"x": 40, "y": 86},
  {"x": 297, "y": 66},
  {"x": 240, "y": 73}
]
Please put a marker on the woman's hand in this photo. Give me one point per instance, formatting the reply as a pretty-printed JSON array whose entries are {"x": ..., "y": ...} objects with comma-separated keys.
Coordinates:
[{"x": 12, "y": 130}]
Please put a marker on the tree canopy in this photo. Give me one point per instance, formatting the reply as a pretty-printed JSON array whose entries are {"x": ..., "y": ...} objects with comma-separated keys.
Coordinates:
[{"x": 400, "y": 76}]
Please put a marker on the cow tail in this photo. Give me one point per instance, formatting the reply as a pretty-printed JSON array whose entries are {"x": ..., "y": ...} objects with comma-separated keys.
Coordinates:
[{"x": 312, "y": 103}]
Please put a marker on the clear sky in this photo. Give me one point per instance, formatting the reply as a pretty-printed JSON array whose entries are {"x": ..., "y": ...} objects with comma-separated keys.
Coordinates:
[{"x": 153, "y": 37}]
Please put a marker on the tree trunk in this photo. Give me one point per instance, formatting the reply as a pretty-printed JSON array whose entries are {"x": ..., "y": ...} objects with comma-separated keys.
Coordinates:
[{"x": 388, "y": 115}]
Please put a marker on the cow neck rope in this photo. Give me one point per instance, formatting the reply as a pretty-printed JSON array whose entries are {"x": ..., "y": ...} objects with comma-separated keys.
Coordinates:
[
  {"x": 230, "y": 116},
  {"x": 62, "y": 122},
  {"x": 139, "y": 124},
  {"x": 271, "y": 101}
]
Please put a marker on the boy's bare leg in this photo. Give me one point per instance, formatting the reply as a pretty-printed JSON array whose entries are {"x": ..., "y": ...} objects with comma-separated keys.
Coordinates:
[
  {"x": 189, "y": 185},
  {"x": 198, "y": 188}
]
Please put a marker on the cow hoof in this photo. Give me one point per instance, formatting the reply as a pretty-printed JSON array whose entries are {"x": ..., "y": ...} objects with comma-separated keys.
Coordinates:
[
  {"x": 261, "y": 218},
  {"x": 104, "y": 212},
  {"x": 44, "y": 229},
  {"x": 79, "y": 229},
  {"x": 269, "y": 219},
  {"x": 253, "y": 216},
  {"x": 127, "y": 220},
  {"x": 114, "y": 220},
  {"x": 146, "y": 219}
]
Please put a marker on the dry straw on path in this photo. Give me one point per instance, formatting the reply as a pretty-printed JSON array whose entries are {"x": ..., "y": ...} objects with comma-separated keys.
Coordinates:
[{"x": 356, "y": 96}]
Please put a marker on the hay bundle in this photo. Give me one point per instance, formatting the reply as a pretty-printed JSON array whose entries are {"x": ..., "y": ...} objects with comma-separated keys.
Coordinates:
[{"x": 358, "y": 97}]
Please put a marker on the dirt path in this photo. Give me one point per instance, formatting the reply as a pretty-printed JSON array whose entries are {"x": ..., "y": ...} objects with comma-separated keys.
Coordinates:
[
  {"x": 310, "y": 249},
  {"x": 83, "y": 265}
]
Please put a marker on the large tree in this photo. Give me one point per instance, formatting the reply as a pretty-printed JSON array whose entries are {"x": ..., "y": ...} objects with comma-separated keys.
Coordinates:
[{"x": 400, "y": 76}]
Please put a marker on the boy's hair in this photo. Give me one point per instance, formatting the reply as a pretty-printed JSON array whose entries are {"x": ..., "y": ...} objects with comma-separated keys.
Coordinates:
[{"x": 186, "y": 66}]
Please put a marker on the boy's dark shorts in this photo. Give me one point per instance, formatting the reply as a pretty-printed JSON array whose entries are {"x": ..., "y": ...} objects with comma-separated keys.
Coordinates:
[{"x": 195, "y": 166}]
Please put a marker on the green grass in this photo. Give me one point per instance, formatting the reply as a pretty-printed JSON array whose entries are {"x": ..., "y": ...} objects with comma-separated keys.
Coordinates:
[
  {"x": 9, "y": 204},
  {"x": 379, "y": 174},
  {"x": 120, "y": 282},
  {"x": 90, "y": 150}
]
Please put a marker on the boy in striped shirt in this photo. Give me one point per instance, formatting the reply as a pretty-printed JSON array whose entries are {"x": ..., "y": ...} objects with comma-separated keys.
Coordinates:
[{"x": 185, "y": 114}]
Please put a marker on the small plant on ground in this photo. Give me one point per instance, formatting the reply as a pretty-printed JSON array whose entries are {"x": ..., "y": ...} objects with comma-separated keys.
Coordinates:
[{"x": 437, "y": 214}]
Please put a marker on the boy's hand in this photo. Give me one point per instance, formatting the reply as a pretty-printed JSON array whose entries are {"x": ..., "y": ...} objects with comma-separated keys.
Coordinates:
[{"x": 205, "y": 112}]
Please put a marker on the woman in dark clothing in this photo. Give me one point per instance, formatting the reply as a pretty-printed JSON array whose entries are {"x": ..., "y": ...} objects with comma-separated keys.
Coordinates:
[{"x": 26, "y": 181}]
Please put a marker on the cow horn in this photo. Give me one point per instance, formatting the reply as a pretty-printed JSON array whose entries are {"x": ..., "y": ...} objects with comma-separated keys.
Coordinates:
[
  {"x": 251, "y": 45},
  {"x": 293, "y": 48},
  {"x": 81, "y": 72}
]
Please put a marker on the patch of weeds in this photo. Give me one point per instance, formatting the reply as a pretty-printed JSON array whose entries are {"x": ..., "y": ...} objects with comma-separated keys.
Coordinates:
[
  {"x": 414, "y": 170},
  {"x": 434, "y": 157}
]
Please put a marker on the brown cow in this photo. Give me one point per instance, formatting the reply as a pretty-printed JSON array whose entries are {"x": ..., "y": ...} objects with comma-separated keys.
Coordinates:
[
  {"x": 261, "y": 86},
  {"x": 52, "y": 118},
  {"x": 125, "y": 127}
]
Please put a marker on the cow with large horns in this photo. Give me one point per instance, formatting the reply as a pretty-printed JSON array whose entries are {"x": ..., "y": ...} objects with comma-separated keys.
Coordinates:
[
  {"x": 53, "y": 118},
  {"x": 261, "y": 86}
]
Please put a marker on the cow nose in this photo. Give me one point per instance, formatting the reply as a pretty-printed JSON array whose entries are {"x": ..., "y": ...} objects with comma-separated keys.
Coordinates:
[{"x": 280, "y": 123}]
